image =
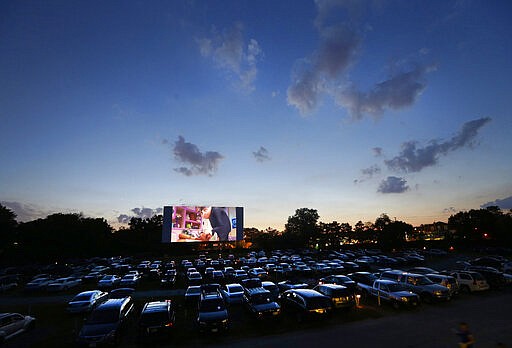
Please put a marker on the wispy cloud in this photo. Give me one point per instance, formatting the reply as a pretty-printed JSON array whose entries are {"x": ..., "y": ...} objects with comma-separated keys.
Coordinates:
[
  {"x": 338, "y": 45},
  {"x": 505, "y": 203},
  {"x": 413, "y": 158},
  {"x": 449, "y": 210},
  {"x": 393, "y": 184},
  {"x": 231, "y": 53},
  {"x": 324, "y": 72},
  {"x": 377, "y": 151},
  {"x": 398, "y": 91},
  {"x": 261, "y": 155},
  {"x": 195, "y": 162},
  {"x": 143, "y": 213}
]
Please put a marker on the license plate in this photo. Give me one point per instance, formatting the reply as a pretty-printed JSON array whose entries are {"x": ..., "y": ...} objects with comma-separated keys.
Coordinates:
[
  {"x": 275, "y": 313},
  {"x": 215, "y": 330},
  {"x": 152, "y": 330}
]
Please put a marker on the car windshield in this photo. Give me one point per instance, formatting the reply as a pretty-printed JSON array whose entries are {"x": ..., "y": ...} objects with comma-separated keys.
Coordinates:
[
  {"x": 151, "y": 318},
  {"x": 423, "y": 281},
  {"x": 478, "y": 276},
  {"x": 211, "y": 306},
  {"x": 236, "y": 288},
  {"x": 342, "y": 279},
  {"x": 193, "y": 291},
  {"x": 104, "y": 316},
  {"x": 82, "y": 297},
  {"x": 106, "y": 278},
  {"x": 396, "y": 287}
]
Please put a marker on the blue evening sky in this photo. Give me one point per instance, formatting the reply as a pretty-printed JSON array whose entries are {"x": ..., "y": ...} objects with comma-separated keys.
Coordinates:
[{"x": 353, "y": 108}]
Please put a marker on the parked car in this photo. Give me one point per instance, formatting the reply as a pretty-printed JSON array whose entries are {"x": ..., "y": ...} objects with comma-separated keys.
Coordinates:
[
  {"x": 192, "y": 294},
  {"x": 339, "y": 280},
  {"x": 109, "y": 281},
  {"x": 106, "y": 323},
  {"x": 212, "y": 313},
  {"x": 288, "y": 285},
  {"x": 445, "y": 280},
  {"x": 258, "y": 272},
  {"x": 63, "y": 284},
  {"x": 419, "y": 284},
  {"x": 273, "y": 288},
  {"x": 38, "y": 284},
  {"x": 397, "y": 294},
  {"x": 157, "y": 318},
  {"x": 239, "y": 275},
  {"x": 260, "y": 304},
  {"x": 232, "y": 293},
  {"x": 422, "y": 270},
  {"x": 341, "y": 296},
  {"x": 86, "y": 301},
  {"x": 194, "y": 278},
  {"x": 169, "y": 278},
  {"x": 129, "y": 280},
  {"x": 12, "y": 324},
  {"x": 306, "y": 304},
  {"x": 470, "y": 281}
]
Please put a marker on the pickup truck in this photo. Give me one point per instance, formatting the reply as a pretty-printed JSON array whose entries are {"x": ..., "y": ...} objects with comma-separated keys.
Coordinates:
[
  {"x": 419, "y": 284},
  {"x": 394, "y": 293}
]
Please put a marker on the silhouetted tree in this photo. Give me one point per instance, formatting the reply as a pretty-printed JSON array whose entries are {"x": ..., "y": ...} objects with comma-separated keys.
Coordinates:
[
  {"x": 301, "y": 228},
  {"x": 8, "y": 225}
]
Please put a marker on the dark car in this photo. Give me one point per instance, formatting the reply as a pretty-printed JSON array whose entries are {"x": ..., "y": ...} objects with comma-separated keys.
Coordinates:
[
  {"x": 192, "y": 294},
  {"x": 341, "y": 296},
  {"x": 339, "y": 280},
  {"x": 289, "y": 285},
  {"x": 212, "y": 313},
  {"x": 157, "y": 318},
  {"x": 494, "y": 277},
  {"x": 306, "y": 304},
  {"x": 260, "y": 304},
  {"x": 86, "y": 301},
  {"x": 273, "y": 288},
  {"x": 106, "y": 323},
  {"x": 251, "y": 283},
  {"x": 169, "y": 278}
]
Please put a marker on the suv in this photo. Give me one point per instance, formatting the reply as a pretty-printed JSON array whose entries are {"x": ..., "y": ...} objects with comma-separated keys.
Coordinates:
[
  {"x": 306, "y": 303},
  {"x": 341, "y": 296},
  {"x": 260, "y": 304},
  {"x": 106, "y": 322},
  {"x": 213, "y": 315},
  {"x": 445, "y": 280},
  {"x": 470, "y": 281},
  {"x": 156, "y": 318}
]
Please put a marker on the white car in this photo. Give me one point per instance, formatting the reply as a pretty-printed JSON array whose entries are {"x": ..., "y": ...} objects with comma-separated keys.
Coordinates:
[
  {"x": 63, "y": 284},
  {"x": 12, "y": 324},
  {"x": 86, "y": 301},
  {"x": 232, "y": 293},
  {"x": 109, "y": 281},
  {"x": 129, "y": 280},
  {"x": 470, "y": 281}
]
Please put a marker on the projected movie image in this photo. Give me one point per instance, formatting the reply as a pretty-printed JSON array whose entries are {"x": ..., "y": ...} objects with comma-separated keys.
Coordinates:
[{"x": 203, "y": 224}]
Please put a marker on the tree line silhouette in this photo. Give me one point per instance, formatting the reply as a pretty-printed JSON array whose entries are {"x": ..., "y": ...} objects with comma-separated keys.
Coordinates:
[{"x": 61, "y": 236}]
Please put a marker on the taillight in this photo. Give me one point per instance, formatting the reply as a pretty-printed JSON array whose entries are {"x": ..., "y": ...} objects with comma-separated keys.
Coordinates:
[
  {"x": 474, "y": 282},
  {"x": 169, "y": 324}
]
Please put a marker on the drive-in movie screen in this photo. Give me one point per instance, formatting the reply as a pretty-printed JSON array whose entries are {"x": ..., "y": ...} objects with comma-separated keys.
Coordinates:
[{"x": 205, "y": 224}]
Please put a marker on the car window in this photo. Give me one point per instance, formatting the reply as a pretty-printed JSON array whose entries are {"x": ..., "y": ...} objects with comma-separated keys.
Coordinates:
[{"x": 465, "y": 276}]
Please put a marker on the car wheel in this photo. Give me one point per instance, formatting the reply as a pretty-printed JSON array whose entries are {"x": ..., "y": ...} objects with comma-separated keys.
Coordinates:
[
  {"x": 31, "y": 325},
  {"x": 465, "y": 288},
  {"x": 395, "y": 304},
  {"x": 299, "y": 317}
]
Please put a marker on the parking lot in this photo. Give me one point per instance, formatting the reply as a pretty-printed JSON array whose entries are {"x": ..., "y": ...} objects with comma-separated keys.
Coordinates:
[{"x": 367, "y": 325}]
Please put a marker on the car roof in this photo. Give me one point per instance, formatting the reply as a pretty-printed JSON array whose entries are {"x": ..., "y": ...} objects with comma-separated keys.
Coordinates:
[
  {"x": 113, "y": 302},
  {"x": 305, "y": 292},
  {"x": 385, "y": 281},
  {"x": 331, "y": 286},
  {"x": 156, "y": 306}
]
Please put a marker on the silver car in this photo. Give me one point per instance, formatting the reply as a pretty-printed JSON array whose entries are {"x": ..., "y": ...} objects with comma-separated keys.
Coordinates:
[{"x": 12, "y": 324}]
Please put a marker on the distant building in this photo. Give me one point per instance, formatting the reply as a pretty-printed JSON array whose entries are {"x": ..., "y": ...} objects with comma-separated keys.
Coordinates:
[{"x": 434, "y": 231}]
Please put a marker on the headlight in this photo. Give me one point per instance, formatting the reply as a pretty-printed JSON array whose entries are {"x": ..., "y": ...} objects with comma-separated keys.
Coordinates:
[
  {"x": 404, "y": 299},
  {"x": 111, "y": 334},
  {"x": 438, "y": 293},
  {"x": 225, "y": 321}
]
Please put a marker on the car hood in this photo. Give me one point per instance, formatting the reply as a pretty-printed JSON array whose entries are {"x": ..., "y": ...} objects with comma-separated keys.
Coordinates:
[
  {"x": 436, "y": 287},
  {"x": 403, "y": 293},
  {"x": 266, "y": 306},
  {"x": 213, "y": 316},
  {"x": 98, "y": 329}
]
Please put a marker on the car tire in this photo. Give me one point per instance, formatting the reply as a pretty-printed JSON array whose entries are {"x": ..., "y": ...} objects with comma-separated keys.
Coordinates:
[
  {"x": 465, "y": 288},
  {"x": 426, "y": 297},
  {"x": 395, "y": 304}
]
